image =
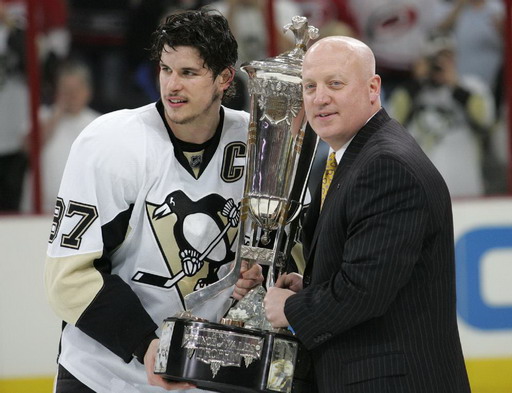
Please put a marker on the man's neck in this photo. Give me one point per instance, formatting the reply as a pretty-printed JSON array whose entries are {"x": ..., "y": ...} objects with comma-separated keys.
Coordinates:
[{"x": 195, "y": 131}]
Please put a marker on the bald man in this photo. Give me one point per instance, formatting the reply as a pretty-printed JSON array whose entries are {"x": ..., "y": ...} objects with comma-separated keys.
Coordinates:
[{"x": 376, "y": 305}]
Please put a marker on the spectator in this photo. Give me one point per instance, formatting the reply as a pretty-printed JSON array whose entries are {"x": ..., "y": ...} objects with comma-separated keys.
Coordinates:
[
  {"x": 53, "y": 40},
  {"x": 61, "y": 123},
  {"x": 54, "y": 44},
  {"x": 395, "y": 31},
  {"x": 477, "y": 26},
  {"x": 14, "y": 108},
  {"x": 98, "y": 32},
  {"x": 449, "y": 115}
]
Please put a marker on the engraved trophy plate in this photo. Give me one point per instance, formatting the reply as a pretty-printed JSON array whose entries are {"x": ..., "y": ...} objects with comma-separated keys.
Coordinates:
[
  {"x": 231, "y": 359},
  {"x": 243, "y": 354},
  {"x": 162, "y": 355},
  {"x": 282, "y": 366}
]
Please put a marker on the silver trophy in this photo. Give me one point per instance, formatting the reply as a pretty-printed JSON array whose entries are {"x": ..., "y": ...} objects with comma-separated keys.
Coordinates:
[{"x": 242, "y": 353}]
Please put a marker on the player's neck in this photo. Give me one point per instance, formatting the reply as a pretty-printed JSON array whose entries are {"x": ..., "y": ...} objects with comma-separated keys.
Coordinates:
[{"x": 196, "y": 131}]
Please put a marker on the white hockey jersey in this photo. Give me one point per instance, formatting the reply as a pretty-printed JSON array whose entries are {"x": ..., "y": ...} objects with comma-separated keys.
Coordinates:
[{"x": 129, "y": 219}]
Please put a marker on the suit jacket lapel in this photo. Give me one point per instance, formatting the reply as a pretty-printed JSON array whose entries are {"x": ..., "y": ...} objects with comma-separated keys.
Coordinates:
[{"x": 342, "y": 171}]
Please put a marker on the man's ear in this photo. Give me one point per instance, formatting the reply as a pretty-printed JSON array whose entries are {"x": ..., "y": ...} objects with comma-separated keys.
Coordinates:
[
  {"x": 226, "y": 76},
  {"x": 374, "y": 84}
]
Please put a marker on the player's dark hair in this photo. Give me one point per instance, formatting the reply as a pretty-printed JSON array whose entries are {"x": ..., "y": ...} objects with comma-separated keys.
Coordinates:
[{"x": 207, "y": 31}]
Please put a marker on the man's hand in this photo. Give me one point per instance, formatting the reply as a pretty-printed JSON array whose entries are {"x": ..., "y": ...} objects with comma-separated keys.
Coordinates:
[
  {"x": 274, "y": 306},
  {"x": 249, "y": 278},
  {"x": 155, "y": 379},
  {"x": 291, "y": 281}
]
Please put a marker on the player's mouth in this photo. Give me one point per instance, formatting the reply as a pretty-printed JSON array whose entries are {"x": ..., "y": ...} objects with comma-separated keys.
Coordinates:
[{"x": 176, "y": 101}]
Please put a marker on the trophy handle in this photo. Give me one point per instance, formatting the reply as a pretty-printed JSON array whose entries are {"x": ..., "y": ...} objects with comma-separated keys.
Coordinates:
[{"x": 197, "y": 298}]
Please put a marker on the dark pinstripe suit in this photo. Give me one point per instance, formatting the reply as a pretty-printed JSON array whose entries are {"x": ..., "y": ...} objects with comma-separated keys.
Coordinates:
[{"x": 378, "y": 308}]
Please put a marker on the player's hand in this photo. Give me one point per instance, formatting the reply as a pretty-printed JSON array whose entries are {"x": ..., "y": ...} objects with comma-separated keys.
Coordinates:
[
  {"x": 250, "y": 277},
  {"x": 291, "y": 281},
  {"x": 155, "y": 379}
]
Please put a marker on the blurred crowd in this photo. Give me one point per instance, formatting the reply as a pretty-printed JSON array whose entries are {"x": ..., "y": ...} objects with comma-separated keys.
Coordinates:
[{"x": 441, "y": 62}]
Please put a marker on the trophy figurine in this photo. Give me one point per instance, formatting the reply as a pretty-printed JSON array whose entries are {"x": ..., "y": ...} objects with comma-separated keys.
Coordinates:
[{"x": 242, "y": 352}]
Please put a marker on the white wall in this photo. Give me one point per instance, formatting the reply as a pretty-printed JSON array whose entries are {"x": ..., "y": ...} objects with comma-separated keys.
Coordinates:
[{"x": 29, "y": 332}]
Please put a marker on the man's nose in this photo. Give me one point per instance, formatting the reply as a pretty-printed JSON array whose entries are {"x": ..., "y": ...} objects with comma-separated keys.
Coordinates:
[
  {"x": 321, "y": 95},
  {"x": 174, "y": 82}
]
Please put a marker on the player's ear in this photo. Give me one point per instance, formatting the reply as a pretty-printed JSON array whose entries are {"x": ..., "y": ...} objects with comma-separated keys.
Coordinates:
[{"x": 226, "y": 76}]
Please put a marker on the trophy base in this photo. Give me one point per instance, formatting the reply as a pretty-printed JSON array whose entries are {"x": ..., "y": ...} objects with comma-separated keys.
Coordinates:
[{"x": 232, "y": 359}]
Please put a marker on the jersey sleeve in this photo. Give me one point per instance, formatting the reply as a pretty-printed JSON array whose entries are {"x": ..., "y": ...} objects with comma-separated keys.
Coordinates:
[{"x": 96, "y": 198}]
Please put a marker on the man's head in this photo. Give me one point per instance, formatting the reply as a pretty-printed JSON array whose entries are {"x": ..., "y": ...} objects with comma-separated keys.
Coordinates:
[
  {"x": 340, "y": 87},
  {"x": 205, "y": 30},
  {"x": 74, "y": 87},
  {"x": 437, "y": 65}
]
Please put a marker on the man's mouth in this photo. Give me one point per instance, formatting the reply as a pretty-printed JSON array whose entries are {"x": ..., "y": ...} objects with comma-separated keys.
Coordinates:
[{"x": 177, "y": 100}]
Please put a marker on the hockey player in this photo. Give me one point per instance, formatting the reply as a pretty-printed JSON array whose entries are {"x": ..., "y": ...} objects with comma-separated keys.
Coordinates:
[{"x": 147, "y": 212}]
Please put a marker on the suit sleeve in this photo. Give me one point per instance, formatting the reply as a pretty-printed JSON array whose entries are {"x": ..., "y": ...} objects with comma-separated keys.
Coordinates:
[
  {"x": 368, "y": 259},
  {"x": 94, "y": 206}
]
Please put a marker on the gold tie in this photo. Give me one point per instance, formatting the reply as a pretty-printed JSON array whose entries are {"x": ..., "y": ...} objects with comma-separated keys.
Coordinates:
[{"x": 330, "y": 168}]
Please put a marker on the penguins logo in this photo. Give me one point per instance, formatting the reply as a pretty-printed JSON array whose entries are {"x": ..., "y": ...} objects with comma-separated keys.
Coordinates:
[{"x": 203, "y": 234}]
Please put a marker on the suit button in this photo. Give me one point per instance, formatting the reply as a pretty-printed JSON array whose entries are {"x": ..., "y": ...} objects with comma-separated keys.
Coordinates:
[
  {"x": 322, "y": 337},
  {"x": 306, "y": 280}
]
